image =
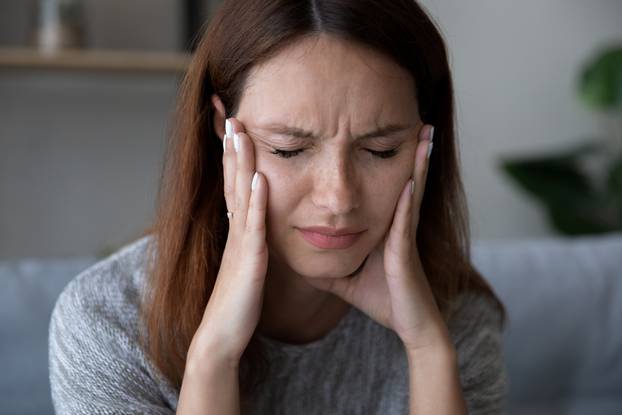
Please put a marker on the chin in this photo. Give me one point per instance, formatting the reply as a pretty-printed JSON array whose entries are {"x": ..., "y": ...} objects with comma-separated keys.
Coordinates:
[{"x": 343, "y": 271}]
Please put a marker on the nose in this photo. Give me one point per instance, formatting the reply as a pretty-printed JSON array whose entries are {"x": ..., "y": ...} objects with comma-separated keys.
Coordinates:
[{"x": 336, "y": 186}]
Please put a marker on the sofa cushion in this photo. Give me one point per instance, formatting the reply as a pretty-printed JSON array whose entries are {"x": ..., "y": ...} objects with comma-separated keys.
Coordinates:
[
  {"x": 563, "y": 341},
  {"x": 563, "y": 345},
  {"x": 29, "y": 290}
]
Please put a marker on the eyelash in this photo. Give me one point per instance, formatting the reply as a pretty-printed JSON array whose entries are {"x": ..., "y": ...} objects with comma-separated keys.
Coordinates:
[{"x": 293, "y": 153}]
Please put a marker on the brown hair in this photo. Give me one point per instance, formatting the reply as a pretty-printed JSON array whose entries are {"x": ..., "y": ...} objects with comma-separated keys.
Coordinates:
[{"x": 190, "y": 229}]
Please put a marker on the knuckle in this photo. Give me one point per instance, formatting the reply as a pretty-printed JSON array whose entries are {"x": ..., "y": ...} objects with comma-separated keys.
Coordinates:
[
  {"x": 228, "y": 189},
  {"x": 239, "y": 204},
  {"x": 253, "y": 227}
]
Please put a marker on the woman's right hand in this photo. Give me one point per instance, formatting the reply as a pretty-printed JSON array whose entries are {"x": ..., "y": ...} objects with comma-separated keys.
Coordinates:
[{"x": 234, "y": 307}]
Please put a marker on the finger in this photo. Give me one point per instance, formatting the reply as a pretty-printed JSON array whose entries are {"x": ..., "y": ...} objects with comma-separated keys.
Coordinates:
[
  {"x": 245, "y": 168},
  {"x": 406, "y": 217},
  {"x": 420, "y": 170},
  {"x": 228, "y": 161},
  {"x": 236, "y": 126},
  {"x": 424, "y": 179},
  {"x": 232, "y": 126},
  {"x": 400, "y": 232},
  {"x": 256, "y": 220}
]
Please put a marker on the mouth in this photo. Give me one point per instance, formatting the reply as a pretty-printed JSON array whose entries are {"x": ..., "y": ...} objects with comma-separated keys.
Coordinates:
[{"x": 324, "y": 241}]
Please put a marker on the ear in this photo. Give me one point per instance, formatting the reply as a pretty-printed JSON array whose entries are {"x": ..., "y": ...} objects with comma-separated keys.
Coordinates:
[{"x": 219, "y": 116}]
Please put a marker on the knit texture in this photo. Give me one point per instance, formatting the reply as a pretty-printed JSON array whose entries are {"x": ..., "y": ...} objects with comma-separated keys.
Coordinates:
[{"x": 359, "y": 367}]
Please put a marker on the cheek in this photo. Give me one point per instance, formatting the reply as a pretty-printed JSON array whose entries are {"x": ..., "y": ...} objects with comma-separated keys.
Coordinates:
[
  {"x": 382, "y": 200},
  {"x": 275, "y": 175},
  {"x": 384, "y": 191},
  {"x": 281, "y": 195}
]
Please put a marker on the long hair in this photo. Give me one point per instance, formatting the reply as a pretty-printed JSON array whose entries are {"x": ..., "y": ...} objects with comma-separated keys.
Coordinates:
[{"x": 190, "y": 229}]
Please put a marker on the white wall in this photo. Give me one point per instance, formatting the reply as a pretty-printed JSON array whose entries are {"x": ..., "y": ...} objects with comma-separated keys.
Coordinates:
[
  {"x": 79, "y": 161},
  {"x": 80, "y": 155},
  {"x": 116, "y": 24},
  {"x": 514, "y": 66}
]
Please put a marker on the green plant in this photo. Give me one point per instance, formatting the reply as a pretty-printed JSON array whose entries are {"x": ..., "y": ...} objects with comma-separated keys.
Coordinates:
[{"x": 576, "y": 201}]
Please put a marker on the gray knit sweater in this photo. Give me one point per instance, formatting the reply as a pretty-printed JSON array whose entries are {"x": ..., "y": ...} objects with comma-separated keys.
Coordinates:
[{"x": 360, "y": 367}]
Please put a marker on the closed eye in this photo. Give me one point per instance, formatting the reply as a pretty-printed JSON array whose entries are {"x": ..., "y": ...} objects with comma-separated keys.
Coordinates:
[{"x": 292, "y": 153}]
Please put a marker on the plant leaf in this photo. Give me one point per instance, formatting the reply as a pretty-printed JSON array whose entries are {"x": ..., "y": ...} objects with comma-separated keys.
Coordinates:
[
  {"x": 570, "y": 221},
  {"x": 614, "y": 185},
  {"x": 600, "y": 81},
  {"x": 614, "y": 180},
  {"x": 556, "y": 181}
]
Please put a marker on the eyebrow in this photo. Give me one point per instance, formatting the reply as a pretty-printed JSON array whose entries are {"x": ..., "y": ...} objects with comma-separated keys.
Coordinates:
[{"x": 386, "y": 130}]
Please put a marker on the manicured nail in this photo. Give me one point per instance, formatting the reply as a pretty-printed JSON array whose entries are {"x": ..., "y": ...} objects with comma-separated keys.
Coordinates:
[
  {"x": 228, "y": 128},
  {"x": 431, "y": 134},
  {"x": 224, "y": 143},
  {"x": 254, "y": 182},
  {"x": 412, "y": 186},
  {"x": 236, "y": 142},
  {"x": 431, "y": 145}
]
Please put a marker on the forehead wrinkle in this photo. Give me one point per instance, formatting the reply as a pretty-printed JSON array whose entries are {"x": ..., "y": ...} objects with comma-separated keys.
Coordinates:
[
  {"x": 330, "y": 111},
  {"x": 388, "y": 130}
]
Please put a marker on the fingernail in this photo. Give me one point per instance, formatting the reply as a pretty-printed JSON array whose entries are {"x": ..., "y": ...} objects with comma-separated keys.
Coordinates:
[
  {"x": 431, "y": 133},
  {"x": 236, "y": 142},
  {"x": 228, "y": 128},
  {"x": 431, "y": 145},
  {"x": 254, "y": 182},
  {"x": 412, "y": 186},
  {"x": 224, "y": 143}
]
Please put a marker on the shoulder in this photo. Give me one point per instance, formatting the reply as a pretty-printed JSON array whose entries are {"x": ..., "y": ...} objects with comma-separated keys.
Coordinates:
[
  {"x": 477, "y": 333},
  {"x": 111, "y": 288},
  {"x": 473, "y": 312},
  {"x": 100, "y": 306},
  {"x": 476, "y": 330},
  {"x": 96, "y": 361}
]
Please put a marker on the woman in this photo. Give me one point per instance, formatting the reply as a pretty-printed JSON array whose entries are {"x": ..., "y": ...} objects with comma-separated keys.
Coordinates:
[{"x": 296, "y": 115}]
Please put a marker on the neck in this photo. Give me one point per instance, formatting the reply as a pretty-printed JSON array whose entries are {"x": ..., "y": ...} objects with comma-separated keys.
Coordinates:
[{"x": 294, "y": 311}]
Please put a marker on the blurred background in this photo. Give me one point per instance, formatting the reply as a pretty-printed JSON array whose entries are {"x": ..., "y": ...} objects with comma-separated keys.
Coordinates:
[
  {"x": 87, "y": 94},
  {"x": 82, "y": 142}
]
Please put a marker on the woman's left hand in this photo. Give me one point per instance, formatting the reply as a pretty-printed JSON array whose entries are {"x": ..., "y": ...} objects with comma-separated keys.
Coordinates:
[{"x": 392, "y": 287}]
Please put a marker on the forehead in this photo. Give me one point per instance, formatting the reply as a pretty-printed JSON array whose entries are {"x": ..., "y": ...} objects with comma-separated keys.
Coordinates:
[{"x": 327, "y": 78}]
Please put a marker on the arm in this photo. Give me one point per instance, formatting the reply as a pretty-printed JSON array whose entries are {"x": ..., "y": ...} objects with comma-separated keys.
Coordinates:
[
  {"x": 434, "y": 380},
  {"x": 212, "y": 389},
  {"x": 474, "y": 354}
]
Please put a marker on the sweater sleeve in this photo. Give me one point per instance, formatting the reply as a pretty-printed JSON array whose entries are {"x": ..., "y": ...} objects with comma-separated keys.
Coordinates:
[
  {"x": 95, "y": 364},
  {"x": 479, "y": 345}
]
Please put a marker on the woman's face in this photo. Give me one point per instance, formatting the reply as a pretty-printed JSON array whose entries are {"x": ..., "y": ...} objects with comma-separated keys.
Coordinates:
[{"x": 337, "y": 91}]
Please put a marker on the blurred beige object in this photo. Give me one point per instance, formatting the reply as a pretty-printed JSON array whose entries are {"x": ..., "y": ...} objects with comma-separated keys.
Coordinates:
[
  {"x": 94, "y": 60},
  {"x": 59, "y": 25}
]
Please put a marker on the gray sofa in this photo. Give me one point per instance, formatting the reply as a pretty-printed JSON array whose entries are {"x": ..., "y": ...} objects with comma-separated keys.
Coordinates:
[{"x": 563, "y": 341}]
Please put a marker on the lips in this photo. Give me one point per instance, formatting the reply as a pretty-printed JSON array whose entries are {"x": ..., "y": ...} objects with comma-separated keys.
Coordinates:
[
  {"x": 332, "y": 231},
  {"x": 324, "y": 241}
]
